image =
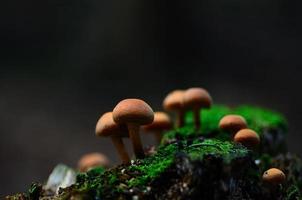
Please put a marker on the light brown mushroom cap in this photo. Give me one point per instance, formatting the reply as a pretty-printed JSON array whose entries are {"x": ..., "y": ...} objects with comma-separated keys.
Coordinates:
[
  {"x": 273, "y": 176},
  {"x": 232, "y": 123},
  {"x": 197, "y": 98},
  {"x": 174, "y": 101},
  {"x": 133, "y": 111},
  {"x": 93, "y": 160},
  {"x": 247, "y": 137},
  {"x": 106, "y": 127},
  {"x": 161, "y": 122}
]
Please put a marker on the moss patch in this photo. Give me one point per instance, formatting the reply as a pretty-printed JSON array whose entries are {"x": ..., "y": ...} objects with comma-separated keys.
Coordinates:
[
  {"x": 142, "y": 172},
  {"x": 258, "y": 119}
]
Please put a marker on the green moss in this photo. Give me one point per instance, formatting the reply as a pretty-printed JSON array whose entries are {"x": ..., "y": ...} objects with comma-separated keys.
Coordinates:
[
  {"x": 258, "y": 119},
  {"x": 151, "y": 167},
  {"x": 226, "y": 150},
  {"x": 142, "y": 172}
]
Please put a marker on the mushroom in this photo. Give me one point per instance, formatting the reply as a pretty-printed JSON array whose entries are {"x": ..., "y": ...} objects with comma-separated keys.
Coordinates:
[
  {"x": 134, "y": 113},
  {"x": 197, "y": 99},
  {"x": 247, "y": 138},
  {"x": 232, "y": 123},
  {"x": 161, "y": 123},
  {"x": 174, "y": 102},
  {"x": 106, "y": 127},
  {"x": 273, "y": 176},
  {"x": 91, "y": 160}
]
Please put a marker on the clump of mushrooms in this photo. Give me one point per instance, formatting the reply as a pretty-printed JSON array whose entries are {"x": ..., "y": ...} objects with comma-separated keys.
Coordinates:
[{"x": 197, "y": 99}]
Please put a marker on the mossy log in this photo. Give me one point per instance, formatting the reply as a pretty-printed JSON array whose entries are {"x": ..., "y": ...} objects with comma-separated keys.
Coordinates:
[{"x": 191, "y": 164}]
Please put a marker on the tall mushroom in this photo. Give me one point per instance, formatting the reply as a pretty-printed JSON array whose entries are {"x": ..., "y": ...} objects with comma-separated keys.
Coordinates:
[
  {"x": 134, "y": 113},
  {"x": 247, "y": 138},
  {"x": 161, "y": 123},
  {"x": 174, "y": 102},
  {"x": 197, "y": 99},
  {"x": 106, "y": 127},
  {"x": 232, "y": 123},
  {"x": 91, "y": 160}
]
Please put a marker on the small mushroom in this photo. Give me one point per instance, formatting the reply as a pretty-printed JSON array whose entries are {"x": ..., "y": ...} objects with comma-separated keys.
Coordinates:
[
  {"x": 273, "y": 176},
  {"x": 106, "y": 127},
  {"x": 197, "y": 99},
  {"x": 92, "y": 160},
  {"x": 174, "y": 102},
  {"x": 161, "y": 123},
  {"x": 134, "y": 113},
  {"x": 247, "y": 138},
  {"x": 232, "y": 123}
]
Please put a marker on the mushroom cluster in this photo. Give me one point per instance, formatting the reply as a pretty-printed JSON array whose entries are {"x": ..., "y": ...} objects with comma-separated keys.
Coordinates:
[
  {"x": 236, "y": 125},
  {"x": 124, "y": 122},
  {"x": 130, "y": 115},
  {"x": 194, "y": 99}
]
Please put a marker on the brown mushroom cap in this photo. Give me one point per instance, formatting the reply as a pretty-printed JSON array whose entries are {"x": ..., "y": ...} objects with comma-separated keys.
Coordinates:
[
  {"x": 133, "y": 111},
  {"x": 93, "y": 160},
  {"x": 232, "y": 123},
  {"x": 273, "y": 176},
  {"x": 247, "y": 137},
  {"x": 174, "y": 101},
  {"x": 161, "y": 122},
  {"x": 197, "y": 98},
  {"x": 107, "y": 127}
]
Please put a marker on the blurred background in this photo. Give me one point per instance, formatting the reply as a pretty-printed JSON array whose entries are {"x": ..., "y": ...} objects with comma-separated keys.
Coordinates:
[{"x": 65, "y": 62}]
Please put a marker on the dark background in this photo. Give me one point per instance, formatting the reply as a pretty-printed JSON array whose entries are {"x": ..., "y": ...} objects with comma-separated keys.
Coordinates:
[{"x": 65, "y": 62}]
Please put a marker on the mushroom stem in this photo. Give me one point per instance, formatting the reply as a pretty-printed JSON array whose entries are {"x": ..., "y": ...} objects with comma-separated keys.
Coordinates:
[
  {"x": 197, "y": 118},
  {"x": 136, "y": 140},
  {"x": 158, "y": 136},
  {"x": 180, "y": 119},
  {"x": 119, "y": 145}
]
